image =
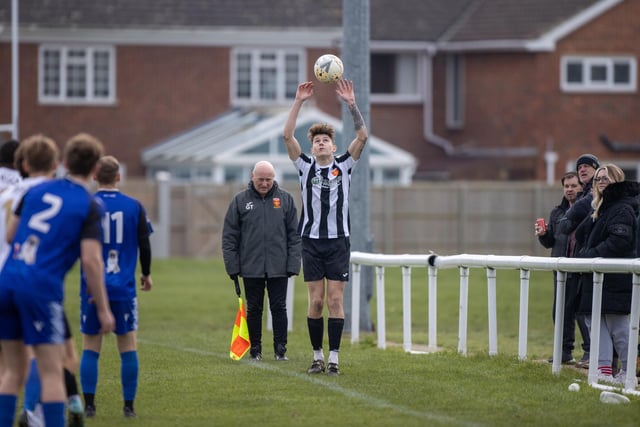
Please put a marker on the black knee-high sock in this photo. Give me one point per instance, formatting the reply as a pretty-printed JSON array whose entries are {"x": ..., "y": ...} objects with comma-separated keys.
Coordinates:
[
  {"x": 334, "y": 329},
  {"x": 70, "y": 383},
  {"x": 316, "y": 332}
]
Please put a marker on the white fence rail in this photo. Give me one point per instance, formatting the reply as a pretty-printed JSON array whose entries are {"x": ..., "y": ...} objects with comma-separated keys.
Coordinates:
[{"x": 598, "y": 266}]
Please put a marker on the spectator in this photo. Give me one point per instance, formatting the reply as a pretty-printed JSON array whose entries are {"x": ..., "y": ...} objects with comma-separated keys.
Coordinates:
[
  {"x": 261, "y": 244},
  {"x": 126, "y": 236},
  {"x": 562, "y": 246},
  {"x": 610, "y": 232}
]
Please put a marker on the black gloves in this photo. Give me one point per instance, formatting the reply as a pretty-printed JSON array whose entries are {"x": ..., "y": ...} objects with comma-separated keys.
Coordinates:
[
  {"x": 289, "y": 274},
  {"x": 233, "y": 277}
]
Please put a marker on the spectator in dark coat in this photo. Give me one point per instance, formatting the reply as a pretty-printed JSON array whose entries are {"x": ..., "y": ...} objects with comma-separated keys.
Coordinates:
[
  {"x": 610, "y": 232},
  {"x": 562, "y": 246}
]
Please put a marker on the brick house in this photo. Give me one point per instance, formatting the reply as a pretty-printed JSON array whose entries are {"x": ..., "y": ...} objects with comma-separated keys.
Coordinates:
[{"x": 473, "y": 89}]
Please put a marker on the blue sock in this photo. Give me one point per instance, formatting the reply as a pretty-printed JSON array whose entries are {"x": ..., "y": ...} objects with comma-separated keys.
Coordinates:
[
  {"x": 89, "y": 371},
  {"x": 8, "y": 403},
  {"x": 32, "y": 387},
  {"x": 53, "y": 414},
  {"x": 129, "y": 374}
]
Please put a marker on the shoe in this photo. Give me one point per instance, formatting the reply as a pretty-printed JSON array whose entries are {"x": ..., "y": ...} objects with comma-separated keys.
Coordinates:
[
  {"x": 281, "y": 358},
  {"x": 567, "y": 359},
  {"x": 23, "y": 420},
  {"x": 75, "y": 419},
  {"x": 316, "y": 367},
  {"x": 620, "y": 378},
  {"x": 89, "y": 411},
  {"x": 583, "y": 362},
  {"x": 603, "y": 378},
  {"x": 129, "y": 412},
  {"x": 256, "y": 357},
  {"x": 332, "y": 370}
]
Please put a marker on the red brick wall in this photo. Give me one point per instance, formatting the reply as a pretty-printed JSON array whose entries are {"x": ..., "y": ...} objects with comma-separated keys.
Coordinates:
[
  {"x": 514, "y": 100},
  {"x": 160, "y": 91}
]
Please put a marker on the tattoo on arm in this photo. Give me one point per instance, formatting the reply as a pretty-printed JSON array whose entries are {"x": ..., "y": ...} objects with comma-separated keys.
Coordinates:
[{"x": 358, "y": 121}]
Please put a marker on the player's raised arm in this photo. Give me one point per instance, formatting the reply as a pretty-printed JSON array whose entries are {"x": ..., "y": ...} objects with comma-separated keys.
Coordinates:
[
  {"x": 304, "y": 92},
  {"x": 346, "y": 93}
]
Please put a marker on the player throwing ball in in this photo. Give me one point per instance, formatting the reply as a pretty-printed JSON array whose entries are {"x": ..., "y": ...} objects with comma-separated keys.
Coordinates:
[{"x": 324, "y": 223}]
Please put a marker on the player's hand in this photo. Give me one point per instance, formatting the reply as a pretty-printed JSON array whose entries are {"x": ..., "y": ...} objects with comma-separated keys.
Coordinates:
[
  {"x": 107, "y": 321},
  {"x": 344, "y": 89},
  {"x": 146, "y": 283},
  {"x": 305, "y": 91}
]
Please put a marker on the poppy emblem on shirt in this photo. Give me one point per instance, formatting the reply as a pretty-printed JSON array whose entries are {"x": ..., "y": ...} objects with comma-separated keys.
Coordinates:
[
  {"x": 335, "y": 172},
  {"x": 276, "y": 202}
]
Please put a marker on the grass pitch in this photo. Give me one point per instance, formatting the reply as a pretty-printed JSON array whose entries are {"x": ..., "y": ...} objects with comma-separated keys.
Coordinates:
[{"x": 188, "y": 379}]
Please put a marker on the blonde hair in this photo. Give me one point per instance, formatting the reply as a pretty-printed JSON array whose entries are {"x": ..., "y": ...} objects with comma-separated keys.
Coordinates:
[{"x": 615, "y": 175}]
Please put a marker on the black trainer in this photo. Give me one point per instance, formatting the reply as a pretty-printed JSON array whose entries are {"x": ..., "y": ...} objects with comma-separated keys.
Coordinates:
[
  {"x": 316, "y": 367},
  {"x": 567, "y": 359},
  {"x": 89, "y": 411},
  {"x": 332, "y": 370},
  {"x": 129, "y": 412}
]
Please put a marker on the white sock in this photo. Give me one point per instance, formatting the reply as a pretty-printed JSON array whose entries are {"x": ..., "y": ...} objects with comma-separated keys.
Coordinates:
[
  {"x": 333, "y": 356},
  {"x": 318, "y": 355}
]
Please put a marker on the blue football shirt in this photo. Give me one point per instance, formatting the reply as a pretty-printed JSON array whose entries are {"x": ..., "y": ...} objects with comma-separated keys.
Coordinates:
[
  {"x": 55, "y": 217},
  {"x": 124, "y": 222}
]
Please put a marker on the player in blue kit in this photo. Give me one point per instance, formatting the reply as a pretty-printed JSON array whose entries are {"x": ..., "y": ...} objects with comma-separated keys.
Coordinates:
[
  {"x": 126, "y": 235},
  {"x": 55, "y": 223}
]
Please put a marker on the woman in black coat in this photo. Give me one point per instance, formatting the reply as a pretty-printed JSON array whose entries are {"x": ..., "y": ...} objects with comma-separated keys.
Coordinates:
[{"x": 610, "y": 232}]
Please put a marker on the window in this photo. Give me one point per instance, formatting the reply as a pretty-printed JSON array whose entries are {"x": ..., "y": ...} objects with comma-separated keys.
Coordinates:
[
  {"x": 455, "y": 92},
  {"x": 598, "y": 74},
  {"x": 266, "y": 76},
  {"x": 394, "y": 77},
  {"x": 77, "y": 75}
]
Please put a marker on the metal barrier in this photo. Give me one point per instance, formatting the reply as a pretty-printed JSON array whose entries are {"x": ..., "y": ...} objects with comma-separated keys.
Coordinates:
[{"x": 491, "y": 263}]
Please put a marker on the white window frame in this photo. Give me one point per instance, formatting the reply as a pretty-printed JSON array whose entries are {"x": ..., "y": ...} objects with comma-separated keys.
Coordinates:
[
  {"x": 589, "y": 85},
  {"x": 257, "y": 64},
  {"x": 455, "y": 91},
  {"x": 402, "y": 98},
  {"x": 88, "y": 61}
]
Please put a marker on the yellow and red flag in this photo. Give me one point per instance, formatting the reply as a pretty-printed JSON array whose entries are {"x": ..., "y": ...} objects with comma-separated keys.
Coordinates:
[{"x": 240, "y": 342}]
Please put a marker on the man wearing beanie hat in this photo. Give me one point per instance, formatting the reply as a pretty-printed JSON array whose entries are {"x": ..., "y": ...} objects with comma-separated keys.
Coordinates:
[{"x": 586, "y": 167}]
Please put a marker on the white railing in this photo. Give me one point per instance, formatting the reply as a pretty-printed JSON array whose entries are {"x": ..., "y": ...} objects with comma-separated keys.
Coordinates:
[{"x": 598, "y": 266}]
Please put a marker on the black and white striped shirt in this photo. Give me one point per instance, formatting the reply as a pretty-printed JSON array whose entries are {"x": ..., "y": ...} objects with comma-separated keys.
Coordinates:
[{"x": 325, "y": 196}]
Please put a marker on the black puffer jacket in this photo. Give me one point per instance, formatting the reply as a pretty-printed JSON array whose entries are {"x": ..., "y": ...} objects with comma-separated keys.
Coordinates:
[{"x": 612, "y": 235}]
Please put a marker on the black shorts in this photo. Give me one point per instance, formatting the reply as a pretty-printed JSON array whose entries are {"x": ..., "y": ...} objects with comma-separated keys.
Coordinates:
[{"x": 326, "y": 258}]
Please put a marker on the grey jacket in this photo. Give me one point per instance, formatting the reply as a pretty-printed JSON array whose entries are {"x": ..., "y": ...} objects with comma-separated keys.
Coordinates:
[{"x": 260, "y": 236}]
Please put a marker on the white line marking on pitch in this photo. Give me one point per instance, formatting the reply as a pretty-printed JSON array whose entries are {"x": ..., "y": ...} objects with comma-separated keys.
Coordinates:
[{"x": 372, "y": 401}]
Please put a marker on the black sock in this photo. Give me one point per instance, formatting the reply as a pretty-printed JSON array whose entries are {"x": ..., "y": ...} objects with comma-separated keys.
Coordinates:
[
  {"x": 70, "y": 383},
  {"x": 316, "y": 332},
  {"x": 334, "y": 329},
  {"x": 128, "y": 404},
  {"x": 89, "y": 399}
]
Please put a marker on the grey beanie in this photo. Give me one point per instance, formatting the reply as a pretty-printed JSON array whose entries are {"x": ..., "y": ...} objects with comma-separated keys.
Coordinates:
[{"x": 588, "y": 159}]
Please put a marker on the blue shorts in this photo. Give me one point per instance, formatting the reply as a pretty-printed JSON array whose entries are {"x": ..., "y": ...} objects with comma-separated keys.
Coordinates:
[
  {"x": 32, "y": 319},
  {"x": 125, "y": 312},
  {"x": 326, "y": 258}
]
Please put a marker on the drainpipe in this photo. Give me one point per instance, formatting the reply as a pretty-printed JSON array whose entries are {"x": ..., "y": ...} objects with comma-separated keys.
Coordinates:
[
  {"x": 427, "y": 109},
  {"x": 550, "y": 159}
]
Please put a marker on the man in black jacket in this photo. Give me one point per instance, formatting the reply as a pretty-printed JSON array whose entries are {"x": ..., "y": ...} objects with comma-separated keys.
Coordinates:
[
  {"x": 261, "y": 244},
  {"x": 561, "y": 245}
]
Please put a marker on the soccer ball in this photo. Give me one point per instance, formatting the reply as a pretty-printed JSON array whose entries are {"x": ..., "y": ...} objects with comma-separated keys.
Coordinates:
[{"x": 328, "y": 68}]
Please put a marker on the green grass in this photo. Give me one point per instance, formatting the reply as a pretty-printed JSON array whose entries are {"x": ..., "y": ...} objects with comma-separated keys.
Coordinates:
[{"x": 187, "y": 378}]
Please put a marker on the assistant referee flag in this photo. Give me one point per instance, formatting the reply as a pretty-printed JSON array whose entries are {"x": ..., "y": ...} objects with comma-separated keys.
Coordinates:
[{"x": 240, "y": 343}]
